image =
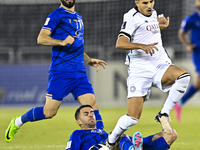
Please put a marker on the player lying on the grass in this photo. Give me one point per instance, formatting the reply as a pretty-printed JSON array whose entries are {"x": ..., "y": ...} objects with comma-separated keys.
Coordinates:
[{"x": 89, "y": 135}]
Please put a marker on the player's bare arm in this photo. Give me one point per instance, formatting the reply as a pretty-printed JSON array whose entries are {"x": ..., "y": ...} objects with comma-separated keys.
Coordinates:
[
  {"x": 94, "y": 62},
  {"x": 163, "y": 22},
  {"x": 44, "y": 38},
  {"x": 185, "y": 41},
  {"x": 124, "y": 43}
]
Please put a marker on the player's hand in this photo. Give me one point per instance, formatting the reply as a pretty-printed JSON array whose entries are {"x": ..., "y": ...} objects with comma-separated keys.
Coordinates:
[
  {"x": 69, "y": 40},
  {"x": 190, "y": 48},
  {"x": 150, "y": 48},
  {"x": 96, "y": 62},
  {"x": 163, "y": 22}
]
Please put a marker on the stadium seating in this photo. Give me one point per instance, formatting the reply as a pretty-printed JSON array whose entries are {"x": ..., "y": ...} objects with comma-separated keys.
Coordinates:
[
  {"x": 6, "y": 55},
  {"x": 34, "y": 54}
]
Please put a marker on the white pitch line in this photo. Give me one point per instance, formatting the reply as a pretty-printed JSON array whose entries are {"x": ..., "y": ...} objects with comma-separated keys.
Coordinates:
[
  {"x": 185, "y": 143},
  {"x": 28, "y": 147}
]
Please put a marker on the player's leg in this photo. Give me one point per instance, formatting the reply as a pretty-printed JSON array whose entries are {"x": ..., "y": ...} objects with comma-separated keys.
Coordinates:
[
  {"x": 34, "y": 114},
  {"x": 38, "y": 113},
  {"x": 134, "y": 110},
  {"x": 51, "y": 107},
  {"x": 170, "y": 138},
  {"x": 190, "y": 92},
  {"x": 160, "y": 140},
  {"x": 138, "y": 90},
  {"x": 178, "y": 79},
  {"x": 57, "y": 88},
  {"x": 196, "y": 86}
]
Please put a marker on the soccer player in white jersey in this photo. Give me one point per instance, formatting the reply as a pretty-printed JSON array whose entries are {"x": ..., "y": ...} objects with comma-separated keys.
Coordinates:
[{"x": 149, "y": 66}]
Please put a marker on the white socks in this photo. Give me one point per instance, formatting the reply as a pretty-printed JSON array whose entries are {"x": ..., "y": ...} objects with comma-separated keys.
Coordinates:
[
  {"x": 176, "y": 92},
  {"x": 123, "y": 124},
  {"x": 18, "y": 122}
]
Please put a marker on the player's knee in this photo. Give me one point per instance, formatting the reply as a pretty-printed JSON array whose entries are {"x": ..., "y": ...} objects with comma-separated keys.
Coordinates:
[
  {"x": 49, "y": 113},
  {"x": 171, "y": 138},
  {"x": 174, "y": 135},
  {"x": 183, "y": 80}
]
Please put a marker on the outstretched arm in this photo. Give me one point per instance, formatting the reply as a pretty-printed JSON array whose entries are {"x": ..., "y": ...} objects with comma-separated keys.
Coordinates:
[
  {"x": 124, "y": 43},
  {"x": 163, "y": 22},
  {"x": 44, "y": 38},
  {"x": 168, "y": 138},
  {"x": 185, "y": 41},
  {"x": 94, "y": 62}
]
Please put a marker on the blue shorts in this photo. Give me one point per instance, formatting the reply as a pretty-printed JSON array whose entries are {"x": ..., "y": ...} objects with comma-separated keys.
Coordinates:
[
  {"x": 62, "y": 83},
  {"x": 158, "y": 144}
]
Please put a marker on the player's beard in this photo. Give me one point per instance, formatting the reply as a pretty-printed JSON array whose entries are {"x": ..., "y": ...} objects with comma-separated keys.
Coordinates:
[
  {"x": 91, "y": 123},
  {"x": 68, "y": 4}
]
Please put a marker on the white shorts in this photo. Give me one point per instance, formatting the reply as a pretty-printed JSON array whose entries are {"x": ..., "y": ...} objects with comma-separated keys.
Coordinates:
[{"x": 144, "y": 76}]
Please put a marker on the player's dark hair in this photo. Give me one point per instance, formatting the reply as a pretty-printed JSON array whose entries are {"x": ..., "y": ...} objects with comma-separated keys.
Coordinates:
[{"x": 79, "y": 109}]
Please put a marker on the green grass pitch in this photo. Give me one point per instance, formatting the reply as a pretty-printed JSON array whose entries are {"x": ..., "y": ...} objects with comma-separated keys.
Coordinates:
[{"x": 53, "y": 134}]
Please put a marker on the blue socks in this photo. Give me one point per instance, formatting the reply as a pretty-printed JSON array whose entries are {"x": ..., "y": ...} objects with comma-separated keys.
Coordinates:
[
  {"x": 187, "y": 95},
  {"x": 99, "y": 124},
  {"x": 125, "y": 143},
  {"x": 34, "y": 114}
]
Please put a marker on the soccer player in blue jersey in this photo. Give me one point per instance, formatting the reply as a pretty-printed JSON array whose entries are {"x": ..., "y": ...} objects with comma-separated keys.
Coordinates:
[
  {"x": 191, "y": 23},
  {"x": 64, "y": 31},
  {"x": 90, "y": 135}
]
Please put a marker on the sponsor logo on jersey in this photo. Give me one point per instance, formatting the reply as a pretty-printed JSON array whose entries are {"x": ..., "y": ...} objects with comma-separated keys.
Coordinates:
[
  {"x": 47, "y": 21},
  {"x": 97, "y": 131},
  {"x": 154, "y": 28}
]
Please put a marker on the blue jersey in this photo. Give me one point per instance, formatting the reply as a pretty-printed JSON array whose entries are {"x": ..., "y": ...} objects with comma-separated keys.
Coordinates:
[
  {"x": 158, "y": 144},
  {"x": 192, "y": 23},
  {"x": 84, "y": 139},
  {"x": 63, "y": 23}
]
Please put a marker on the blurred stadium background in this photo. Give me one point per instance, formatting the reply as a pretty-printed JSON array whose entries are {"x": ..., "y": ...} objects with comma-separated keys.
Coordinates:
[
  {"x": 24, "y": 64},
  {"x": 24, "y": 71}
]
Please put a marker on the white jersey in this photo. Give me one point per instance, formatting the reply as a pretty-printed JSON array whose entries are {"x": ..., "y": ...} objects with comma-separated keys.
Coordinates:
[{"x": 144, "y": 30}]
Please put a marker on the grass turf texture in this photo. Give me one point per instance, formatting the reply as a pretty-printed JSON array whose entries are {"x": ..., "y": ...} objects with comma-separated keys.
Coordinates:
[{"x": 54, "y": 133}]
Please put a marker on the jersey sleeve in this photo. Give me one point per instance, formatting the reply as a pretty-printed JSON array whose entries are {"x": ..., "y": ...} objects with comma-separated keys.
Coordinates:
[
  {"x": 186, "y": 24},
  {"x": 155, "y": 15},
  {"x": 74, "y": 142},
  {"x": 128, "y": 26},
  {"x": 52, "y": 21}
]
